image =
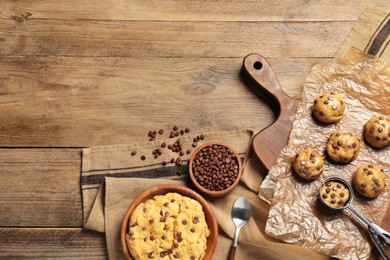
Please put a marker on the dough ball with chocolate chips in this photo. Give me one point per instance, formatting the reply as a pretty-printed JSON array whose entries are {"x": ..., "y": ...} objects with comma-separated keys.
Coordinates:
[
  {"x": 334, "y": 194},
  {"x": 377, "y": 131},
  {"x": 369, "y": 180},
  {"x": 343, "y": 147},
  {"x": 329, "y": 107},
  {"x": 308, "y": 164}
]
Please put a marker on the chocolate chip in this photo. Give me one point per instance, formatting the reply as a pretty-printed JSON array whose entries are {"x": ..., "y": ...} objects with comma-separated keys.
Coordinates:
[
  {"x": 163, "y": 237},
  {"x": 164, "y": 163},
  {"x": 179, "y": 239},
  {"x": 333, "y": 201},
  {"x": 324, "y": 196},
  {"x": 175, "y": 128},
  {"x": 194, "y": 144},
  {"x": 163, "y": 145},
  {"x": 184, "y": 222},
  {"x": 151, "y": 238},
  {"x": 133, "y": 153},
  {"x": 339, "y": 143},
  {"x": 187, "y": 130},
  {"x": 182, "y": 132},
  {"x": 326, "y": 102},
  {"x": 380, "y": 129},
  {"x": 143, "y": 228},
  {"x": 178, "y": 234},
  {"x": 172, "y": 160},
  {"x": 172, "y": 200},
  {"x": 151, "y": 221},
  {"x": 192, "y": 230},
  {"x": 181, "y": 153},
  {"x": 143, "y": 157},
  {"x": 150, "y": 255}
]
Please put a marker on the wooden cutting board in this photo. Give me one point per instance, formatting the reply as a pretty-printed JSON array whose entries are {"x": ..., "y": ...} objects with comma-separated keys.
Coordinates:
[{"x": 268, "y": 143}]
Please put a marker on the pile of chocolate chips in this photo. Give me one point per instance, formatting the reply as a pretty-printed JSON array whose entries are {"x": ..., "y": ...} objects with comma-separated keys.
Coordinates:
[
  {"x": 175, "y": 147},
  {"x": 215, "y": 167}
]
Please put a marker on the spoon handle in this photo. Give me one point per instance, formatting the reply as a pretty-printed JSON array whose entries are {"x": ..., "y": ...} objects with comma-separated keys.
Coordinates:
[{"x": 232, "y": 253}]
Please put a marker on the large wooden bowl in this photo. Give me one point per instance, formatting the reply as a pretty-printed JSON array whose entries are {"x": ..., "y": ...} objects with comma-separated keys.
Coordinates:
[
  {"x": 211, "y": 193},
  {"x": 162, "y": 190}
]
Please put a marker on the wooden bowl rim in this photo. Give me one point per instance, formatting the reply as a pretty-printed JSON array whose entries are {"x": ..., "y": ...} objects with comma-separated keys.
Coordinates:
[
  {"x": 184, "y": 191},
  {"x": 209, "y": 192}
]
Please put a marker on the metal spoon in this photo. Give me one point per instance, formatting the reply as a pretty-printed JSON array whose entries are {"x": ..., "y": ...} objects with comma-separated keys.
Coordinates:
[{"x": 241, "y": 213}]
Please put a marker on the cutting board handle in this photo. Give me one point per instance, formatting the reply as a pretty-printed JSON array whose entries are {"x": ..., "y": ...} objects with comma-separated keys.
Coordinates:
[{"x": 268, "y": 143}]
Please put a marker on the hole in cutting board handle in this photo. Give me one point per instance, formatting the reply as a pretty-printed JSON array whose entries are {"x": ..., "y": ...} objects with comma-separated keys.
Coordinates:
[{"x": 257, "y": 65}]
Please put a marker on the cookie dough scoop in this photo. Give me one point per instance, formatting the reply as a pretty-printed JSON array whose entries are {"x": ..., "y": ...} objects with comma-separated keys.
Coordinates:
[{"x": 336, "y": 194}]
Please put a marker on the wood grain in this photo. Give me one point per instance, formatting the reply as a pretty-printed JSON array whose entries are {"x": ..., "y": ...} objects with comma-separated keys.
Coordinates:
[
  {"x": 168, "y": 10},
  {"x": 44, "y": 243},
  {"x": 80, "y": 102},
  {"x": 171, "y": 39},
  {"x": 40, "y": 187}
]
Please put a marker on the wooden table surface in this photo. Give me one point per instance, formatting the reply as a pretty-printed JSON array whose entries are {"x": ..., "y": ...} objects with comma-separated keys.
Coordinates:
[{"x": 75, "y": 74}]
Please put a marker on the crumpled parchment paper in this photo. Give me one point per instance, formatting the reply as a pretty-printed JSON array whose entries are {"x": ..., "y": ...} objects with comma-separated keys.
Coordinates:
[{"x": 296, "y": 215}]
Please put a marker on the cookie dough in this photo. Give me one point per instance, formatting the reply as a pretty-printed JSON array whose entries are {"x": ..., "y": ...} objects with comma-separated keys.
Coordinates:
[
  {"x": 343, "y": 147},
  {"x": 329, "y": 107},
  {"x": 377, "y": 131},
  {"x": 369, "y": 180},
  {"x": 169, "y": 225},
  {"x": 308, "y": 164},
  {"x": 334, "y": 194}
]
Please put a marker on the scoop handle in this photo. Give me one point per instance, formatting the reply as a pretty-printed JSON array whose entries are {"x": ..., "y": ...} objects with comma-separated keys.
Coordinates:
[
  {"x": 232, "y": 253},
  {"x": 268, "y": 143}
]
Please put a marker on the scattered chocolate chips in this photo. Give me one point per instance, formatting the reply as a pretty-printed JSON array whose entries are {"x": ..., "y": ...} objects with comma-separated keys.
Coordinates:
[{"x": 215, "y": 167}]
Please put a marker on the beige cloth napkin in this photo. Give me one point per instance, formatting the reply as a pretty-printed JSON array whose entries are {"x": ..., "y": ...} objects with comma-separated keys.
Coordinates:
[
  {"x": 370, "y": 34},
  {"x": 125, "y": 177}
]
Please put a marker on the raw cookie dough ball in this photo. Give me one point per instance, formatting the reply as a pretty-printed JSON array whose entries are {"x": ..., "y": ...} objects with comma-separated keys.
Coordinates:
[
  {"x": 308, "y": 164},
  {"x": 329, "y": 107},
  {"x": 343, "y": 147},
  {"x": 334, "y": 194},
  {"x": 369, "y": 180},
  {"x": 377, "y": 131}
]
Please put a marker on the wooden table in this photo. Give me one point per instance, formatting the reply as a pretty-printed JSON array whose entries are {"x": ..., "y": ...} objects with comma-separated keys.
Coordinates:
[{"x": 75, "y": 74}]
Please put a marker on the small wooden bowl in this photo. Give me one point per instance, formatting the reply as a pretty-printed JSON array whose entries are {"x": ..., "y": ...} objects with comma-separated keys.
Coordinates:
[
  {"x": 211, "y": 193},
  {"x": 162, "y": 190}
]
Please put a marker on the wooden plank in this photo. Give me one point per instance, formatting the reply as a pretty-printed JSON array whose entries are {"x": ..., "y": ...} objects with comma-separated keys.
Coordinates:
[
  {"x": 40, "y": 187},
  {"x": 171, "y": 39},
  {"x": 64, "y": 243},
  {"x": 80, "y": 102},
  {"x": 169, "y": 10}
]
